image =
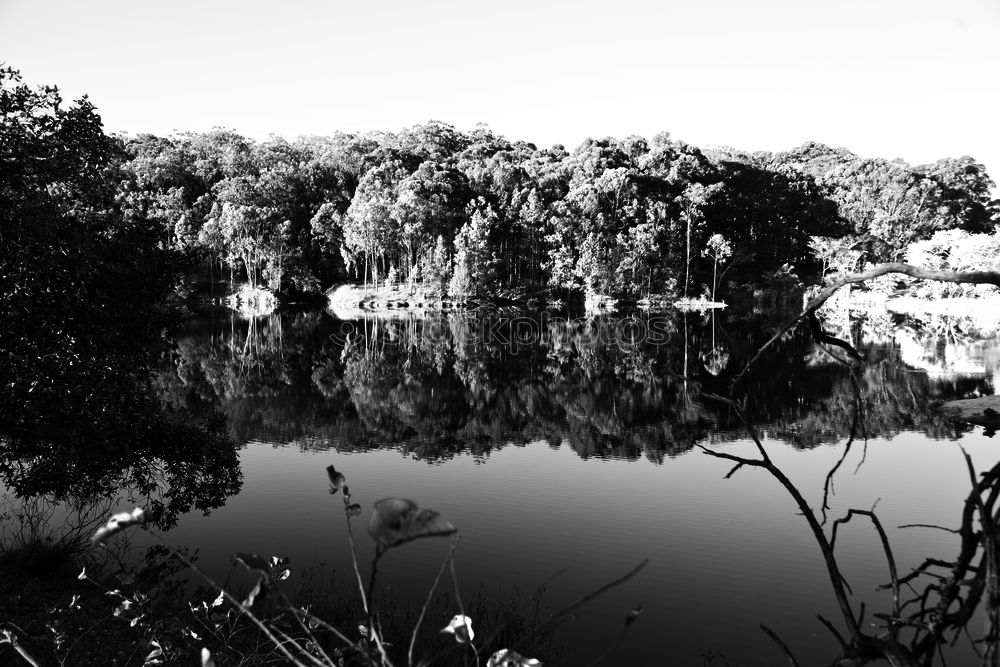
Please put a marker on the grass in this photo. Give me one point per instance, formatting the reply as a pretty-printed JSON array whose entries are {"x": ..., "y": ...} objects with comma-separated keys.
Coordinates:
[{"x": 68, "y": 605}]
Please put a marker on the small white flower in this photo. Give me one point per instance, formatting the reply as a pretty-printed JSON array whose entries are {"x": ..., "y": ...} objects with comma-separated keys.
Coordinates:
[{"x": 461, "y": 627}]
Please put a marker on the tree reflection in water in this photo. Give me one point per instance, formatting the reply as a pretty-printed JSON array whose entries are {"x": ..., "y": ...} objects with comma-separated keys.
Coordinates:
[
  {"x": 440, "y": 386},
  {"x": 435, "y": 387},
  {"x": 98, "y": 429}
]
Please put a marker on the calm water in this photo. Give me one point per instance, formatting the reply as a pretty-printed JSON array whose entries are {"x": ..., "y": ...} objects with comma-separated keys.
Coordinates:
[{"x": 569, "y": 445}]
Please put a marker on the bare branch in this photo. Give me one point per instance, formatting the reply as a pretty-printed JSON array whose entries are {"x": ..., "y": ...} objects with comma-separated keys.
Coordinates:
[
  {"x": 930, "y": 525},
  {"x": 792, "y": 662},
  {"x": 833, "y": 631},
  {"x": 885, "y": 547}
]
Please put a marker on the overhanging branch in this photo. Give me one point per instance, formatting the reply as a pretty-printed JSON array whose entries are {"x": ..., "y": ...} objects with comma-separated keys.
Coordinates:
[{"x": 967, "y": 277}]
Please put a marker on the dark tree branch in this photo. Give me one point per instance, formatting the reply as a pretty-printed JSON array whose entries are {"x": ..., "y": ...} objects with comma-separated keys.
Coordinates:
[
  {"x": 957, "y": 595},
  {"x": 971, "y": 277},
  {"x": 833, "y": 631},
  {"x": 885, "y": 547},
  {"x": 792, "y": 662},
  {"x": 930, "y": 525},
  {"x": 837, "y": 579}
]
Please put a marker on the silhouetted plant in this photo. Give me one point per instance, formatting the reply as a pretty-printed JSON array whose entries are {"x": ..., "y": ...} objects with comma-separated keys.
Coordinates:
[{"x": 293, "y": 633}]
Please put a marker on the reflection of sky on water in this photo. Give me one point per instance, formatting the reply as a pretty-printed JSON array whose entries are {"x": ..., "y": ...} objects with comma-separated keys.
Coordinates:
[{"x": 725, "y": 555}]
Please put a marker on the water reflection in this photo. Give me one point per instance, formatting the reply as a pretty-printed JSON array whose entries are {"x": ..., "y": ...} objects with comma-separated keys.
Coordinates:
[
  {"x": 560, "y": 407},
  {"x": 89, "y": 423},
  {"x": 434, "y": 387}
]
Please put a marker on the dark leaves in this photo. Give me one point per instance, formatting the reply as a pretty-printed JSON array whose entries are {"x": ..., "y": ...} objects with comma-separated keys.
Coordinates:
[
  {"x": 273, "y": 568},
  {"x": 396, "y": 521},
  {"x": 337, "y": 480}
]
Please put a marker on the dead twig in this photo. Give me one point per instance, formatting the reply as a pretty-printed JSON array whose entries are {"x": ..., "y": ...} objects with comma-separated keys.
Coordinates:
[{"x": 792, "y": 662}]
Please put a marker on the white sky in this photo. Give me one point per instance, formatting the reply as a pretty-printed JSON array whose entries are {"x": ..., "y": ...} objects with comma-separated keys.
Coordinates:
[{"x": 917, "y": 79}]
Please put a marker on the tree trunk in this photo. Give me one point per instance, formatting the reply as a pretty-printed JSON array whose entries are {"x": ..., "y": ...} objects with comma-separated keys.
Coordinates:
[
  {"x": 687, "y": 257},
  {"x": 715, "y": 266}
]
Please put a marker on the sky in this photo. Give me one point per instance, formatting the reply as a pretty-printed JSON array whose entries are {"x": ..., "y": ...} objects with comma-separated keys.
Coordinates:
[{"x": 914, "y": 79}]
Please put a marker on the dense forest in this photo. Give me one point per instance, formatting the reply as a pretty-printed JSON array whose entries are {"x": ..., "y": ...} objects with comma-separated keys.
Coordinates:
[
  {"x": 474, "y": 214},
  {"x": 468, "y": 214}
]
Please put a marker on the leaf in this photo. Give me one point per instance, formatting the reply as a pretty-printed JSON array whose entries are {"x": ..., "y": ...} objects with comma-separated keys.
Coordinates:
[
  {"x": 219, "y": 600},
  {"x": 155, "y": 656},
  {"x": 259, "y": 588},
  {"x": 461, "y": 627},
  {"x": 632, "y": 615},
  {"x": 272, "y": 568},
  {"x": 337, "y": 479},
  {"x": 253, "y": 562},
  {"x": 396, "y": 521},
  {"x": 507, "y": 658},
  {"x": 117, "y": 523}
]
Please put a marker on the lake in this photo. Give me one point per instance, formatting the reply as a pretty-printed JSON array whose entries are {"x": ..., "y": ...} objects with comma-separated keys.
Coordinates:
[{"x": 568, "y": 450}]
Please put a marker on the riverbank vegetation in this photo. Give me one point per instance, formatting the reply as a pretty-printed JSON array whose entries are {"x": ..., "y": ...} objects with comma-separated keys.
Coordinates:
[
  {"x": 99, "y": 232},
  {"x": 472, "y": 214}
]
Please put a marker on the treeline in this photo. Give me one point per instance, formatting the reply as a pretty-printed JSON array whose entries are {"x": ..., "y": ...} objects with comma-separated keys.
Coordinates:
[{"x": 472, "y": 213}]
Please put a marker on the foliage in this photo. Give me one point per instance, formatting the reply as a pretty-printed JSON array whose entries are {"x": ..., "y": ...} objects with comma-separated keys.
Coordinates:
[
  {"x": 720, "y": 250},
  {"x": 78, "y": 412},
  {"x": 954, "y": 250},
  {"x": 293, "y": 634},
  {"x": 626, "y": 218}
]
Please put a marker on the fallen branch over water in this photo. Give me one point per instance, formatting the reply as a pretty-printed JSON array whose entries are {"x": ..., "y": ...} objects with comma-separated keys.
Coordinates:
[{"x": 966, "y": 277}]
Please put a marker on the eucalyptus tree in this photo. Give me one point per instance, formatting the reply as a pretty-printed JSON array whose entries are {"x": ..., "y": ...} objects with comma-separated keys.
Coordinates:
[
  {"x": 890, "y": 204},
  {"x": 369, "y": 226},
  {"x": 430, "y": 202},
  {"x": 770, "y": 210},
  {"x": 474, "y": 265},
  {"x": 720, "y": 250}
]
